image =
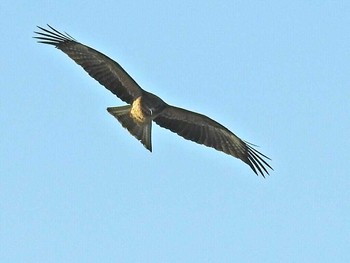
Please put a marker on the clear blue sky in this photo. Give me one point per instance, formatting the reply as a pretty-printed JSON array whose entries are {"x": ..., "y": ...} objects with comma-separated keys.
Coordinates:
[{"x": 76, "y": 187}]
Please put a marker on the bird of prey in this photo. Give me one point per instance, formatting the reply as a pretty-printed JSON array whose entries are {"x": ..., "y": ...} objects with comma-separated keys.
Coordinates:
[{"x": 144, "y": 107}]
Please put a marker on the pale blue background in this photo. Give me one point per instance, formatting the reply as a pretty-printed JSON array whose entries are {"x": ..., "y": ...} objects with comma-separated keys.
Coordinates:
[{"x": 76, "y": 187}]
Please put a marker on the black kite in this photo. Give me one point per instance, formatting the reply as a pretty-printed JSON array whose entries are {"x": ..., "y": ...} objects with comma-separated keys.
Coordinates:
[{"x": 145, "y": 107}]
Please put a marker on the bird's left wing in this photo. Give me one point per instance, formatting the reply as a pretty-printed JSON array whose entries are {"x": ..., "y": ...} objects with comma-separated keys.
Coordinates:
[
  {"x": 105, "y": 70},
  {"x": 203, "y": 130}
]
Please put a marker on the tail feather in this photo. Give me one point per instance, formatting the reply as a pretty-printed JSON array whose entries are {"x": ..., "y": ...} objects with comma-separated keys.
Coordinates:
[{"x": 141, "y": 131}]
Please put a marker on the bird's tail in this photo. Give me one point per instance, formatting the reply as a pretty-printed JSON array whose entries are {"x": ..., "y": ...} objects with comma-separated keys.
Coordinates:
[{"x": 141, "y": 131}]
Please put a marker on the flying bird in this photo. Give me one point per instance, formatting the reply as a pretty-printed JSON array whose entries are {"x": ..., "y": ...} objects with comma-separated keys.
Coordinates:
[{"x": 144, "y": 107}]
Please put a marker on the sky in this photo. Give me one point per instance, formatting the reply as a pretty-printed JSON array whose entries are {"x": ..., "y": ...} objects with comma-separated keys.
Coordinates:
[{"x": 75, "y": 186}]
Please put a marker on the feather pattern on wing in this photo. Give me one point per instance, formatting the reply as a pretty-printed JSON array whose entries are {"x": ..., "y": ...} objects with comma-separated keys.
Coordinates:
[
  {"x": 105, "y": 70},
  {"x": 203, "y": 130}
]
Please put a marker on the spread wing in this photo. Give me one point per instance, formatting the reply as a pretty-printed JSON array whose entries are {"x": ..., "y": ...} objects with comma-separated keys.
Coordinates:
[
  {"x": 203, "y": 130},
  {"x": 106, "y": 71}
]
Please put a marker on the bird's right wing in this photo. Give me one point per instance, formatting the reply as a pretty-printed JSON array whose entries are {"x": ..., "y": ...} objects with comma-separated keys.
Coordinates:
[
  {"x": 203, "y": 130},
  {"x": 105, "y": 70}
]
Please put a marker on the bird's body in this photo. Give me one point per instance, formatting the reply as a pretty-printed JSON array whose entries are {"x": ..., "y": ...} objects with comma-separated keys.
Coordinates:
[{"x": 145, "y": 107}]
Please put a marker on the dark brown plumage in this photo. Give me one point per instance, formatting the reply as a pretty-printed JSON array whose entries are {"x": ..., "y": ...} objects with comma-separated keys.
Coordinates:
[{"x": 146, "y": 107}]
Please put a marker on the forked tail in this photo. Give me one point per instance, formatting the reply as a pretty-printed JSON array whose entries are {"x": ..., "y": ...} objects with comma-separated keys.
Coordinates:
[{"x": 141, "y": 131}]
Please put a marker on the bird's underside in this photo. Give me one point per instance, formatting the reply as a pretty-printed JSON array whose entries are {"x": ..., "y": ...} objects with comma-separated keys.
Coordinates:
[{"x": 145, "y": 107}]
